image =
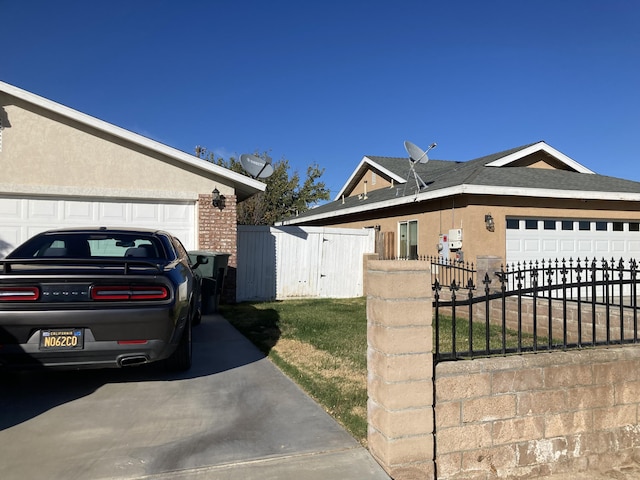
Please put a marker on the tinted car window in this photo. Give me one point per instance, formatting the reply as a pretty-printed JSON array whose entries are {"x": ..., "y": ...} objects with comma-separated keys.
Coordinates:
[{"x": 87, "y": 245}]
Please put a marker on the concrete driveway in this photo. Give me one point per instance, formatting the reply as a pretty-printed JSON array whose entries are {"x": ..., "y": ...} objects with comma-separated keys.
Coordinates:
[{"x": 232, "y": 416}]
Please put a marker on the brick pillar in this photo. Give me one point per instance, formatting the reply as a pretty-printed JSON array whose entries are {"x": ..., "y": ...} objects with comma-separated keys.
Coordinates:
[
  {"x": 400, "y": 368},
  {"x": 218, "y": 232}
]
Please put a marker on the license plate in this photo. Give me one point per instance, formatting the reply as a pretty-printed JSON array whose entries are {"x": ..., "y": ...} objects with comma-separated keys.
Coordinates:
[{"x": 62, "y": 339}]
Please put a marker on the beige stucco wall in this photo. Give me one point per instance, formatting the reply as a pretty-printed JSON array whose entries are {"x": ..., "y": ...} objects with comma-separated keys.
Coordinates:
[
  {"x": 468, "y": 213},
  {"x": 374, "y": 181},
  {"x": 44, "y": 152}
]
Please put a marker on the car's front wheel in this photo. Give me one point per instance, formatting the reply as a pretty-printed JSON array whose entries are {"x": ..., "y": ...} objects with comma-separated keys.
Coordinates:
[{"x": 180, "y": 359}]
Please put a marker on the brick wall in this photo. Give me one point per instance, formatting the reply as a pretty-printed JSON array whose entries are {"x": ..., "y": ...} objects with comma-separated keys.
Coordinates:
[
  {"x": 515, "y": 417},
  {"x": 217, "y": 231}
]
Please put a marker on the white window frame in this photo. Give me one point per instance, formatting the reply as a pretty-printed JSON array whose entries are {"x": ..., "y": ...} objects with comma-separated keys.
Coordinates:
[{"x": 405, "y": 251}]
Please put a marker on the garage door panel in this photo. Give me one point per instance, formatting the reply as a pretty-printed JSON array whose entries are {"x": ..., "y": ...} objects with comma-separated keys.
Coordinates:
[
  {"x": 618, "y": 246},
  {"x": 79, "y": 211},
  {"x": 145, "y": 213},
  {"x": 11, "y": 208},
  {"x": 567, "y": 246},
  {"x": 173, "y": 213},
  {"x": 531, "y": 245},
  {"x": 585, "y": 246},
  {"x": 582, "y": 241},
  {"x": 23, "y": 218},
  {"x": 115, "y": 213},
  {"x": 48, "y": 210},
  {"x": 634, "y": 246},
  {"x": 513, "y": 245}
]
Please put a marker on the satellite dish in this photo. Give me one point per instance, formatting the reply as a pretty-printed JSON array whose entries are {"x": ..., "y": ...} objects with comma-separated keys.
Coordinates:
[
  {"x": 416, "y": 155},
  {"x": 255, "y": 166}
]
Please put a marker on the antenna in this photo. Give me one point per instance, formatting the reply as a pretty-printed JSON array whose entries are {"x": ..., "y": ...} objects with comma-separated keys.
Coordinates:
[
  {"x": 256, "y": 166},
  {"x": 416, "y": 155}
]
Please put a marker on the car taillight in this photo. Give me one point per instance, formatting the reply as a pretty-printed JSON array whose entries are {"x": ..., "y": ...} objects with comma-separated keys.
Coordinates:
[
  {"x": 115, "y": 293},
  {"x": 19, "y": 294}
]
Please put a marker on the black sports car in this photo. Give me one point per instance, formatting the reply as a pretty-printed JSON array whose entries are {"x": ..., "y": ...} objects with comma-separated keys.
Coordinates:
[{"x": 98, "y": 297}]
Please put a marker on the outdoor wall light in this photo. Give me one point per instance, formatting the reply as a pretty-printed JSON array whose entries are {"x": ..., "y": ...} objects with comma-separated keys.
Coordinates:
[
  {"x": 489, "y": 223},
  {"x": 217, "y": 200}
]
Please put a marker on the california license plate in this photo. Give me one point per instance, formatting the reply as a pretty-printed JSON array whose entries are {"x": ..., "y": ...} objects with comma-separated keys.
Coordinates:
[{"x": 62, "y": 339}]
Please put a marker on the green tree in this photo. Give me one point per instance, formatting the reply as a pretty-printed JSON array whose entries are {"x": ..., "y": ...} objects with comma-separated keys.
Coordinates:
[{"x": 284, "y": 196}]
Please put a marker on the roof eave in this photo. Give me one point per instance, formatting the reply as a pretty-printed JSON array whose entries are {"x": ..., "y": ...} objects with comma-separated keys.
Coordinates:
[{"x": 469, "y": 190}]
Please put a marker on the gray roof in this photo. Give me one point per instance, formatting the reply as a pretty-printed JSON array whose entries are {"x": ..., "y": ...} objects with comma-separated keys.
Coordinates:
[{"x": 444, "y": 174}]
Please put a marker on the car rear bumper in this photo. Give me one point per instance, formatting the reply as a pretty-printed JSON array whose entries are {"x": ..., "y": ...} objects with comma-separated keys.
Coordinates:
[{"x": 113, "y": 338}]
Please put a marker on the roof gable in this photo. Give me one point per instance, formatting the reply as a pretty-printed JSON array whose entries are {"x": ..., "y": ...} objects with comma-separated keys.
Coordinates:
[{"x": 558, "y": 159}]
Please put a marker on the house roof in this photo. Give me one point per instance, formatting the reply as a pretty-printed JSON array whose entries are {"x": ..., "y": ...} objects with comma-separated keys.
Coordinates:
[
  {"x": 244, "y": 186},
  {"x": 498, "y": 174}
]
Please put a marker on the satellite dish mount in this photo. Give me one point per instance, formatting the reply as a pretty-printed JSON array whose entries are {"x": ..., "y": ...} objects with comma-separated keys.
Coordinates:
[{"x": 416, "y": 155}]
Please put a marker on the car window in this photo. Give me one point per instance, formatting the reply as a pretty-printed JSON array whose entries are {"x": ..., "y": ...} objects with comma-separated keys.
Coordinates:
[
  {"x": 180, "y": 250},
  {"x": 88, "y": 245}
]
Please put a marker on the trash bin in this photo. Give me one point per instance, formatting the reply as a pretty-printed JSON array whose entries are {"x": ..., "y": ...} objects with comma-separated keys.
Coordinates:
[{"x": 213, "y": 274}]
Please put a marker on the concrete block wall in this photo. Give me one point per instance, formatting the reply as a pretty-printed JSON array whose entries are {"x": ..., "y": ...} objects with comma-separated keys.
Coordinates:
[
  {"x": 534, "y": 415},
  {"x": 400, "y": 365}
]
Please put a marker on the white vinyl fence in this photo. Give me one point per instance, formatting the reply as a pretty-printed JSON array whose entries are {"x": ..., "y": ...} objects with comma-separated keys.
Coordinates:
[{"x": 294, "y": 262}]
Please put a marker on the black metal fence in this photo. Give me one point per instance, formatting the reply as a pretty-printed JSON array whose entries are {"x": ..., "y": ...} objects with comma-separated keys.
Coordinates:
[{"x": 534, "y": 306}]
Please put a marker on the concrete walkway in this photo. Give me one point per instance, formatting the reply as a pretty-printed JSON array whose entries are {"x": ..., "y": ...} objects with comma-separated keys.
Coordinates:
[{"x": 234, "y": 415}]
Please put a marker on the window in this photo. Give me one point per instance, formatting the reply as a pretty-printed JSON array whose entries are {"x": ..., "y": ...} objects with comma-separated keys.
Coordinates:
[
  {"x": 531, "y": 224},
  {"x": 513, "y": 224},
  {"x": 549, "y": 224},
  {"x": 601, "y": 226},
  {"x": 567, "y": 225},
  {"x": 584, "y": 225},
  {"x": 634, "y": 227},
  {"x": 408, "y": 239},
  {"x": 618, "y": 226}
]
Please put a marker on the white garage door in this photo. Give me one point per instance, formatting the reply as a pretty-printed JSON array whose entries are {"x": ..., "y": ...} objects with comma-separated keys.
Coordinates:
[
  {"x": 21, "y": 218},
  {"x": 551, "y": 239}
]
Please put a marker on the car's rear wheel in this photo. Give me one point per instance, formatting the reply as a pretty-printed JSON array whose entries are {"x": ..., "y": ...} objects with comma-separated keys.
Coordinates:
[{"x": 180, "y": 359}]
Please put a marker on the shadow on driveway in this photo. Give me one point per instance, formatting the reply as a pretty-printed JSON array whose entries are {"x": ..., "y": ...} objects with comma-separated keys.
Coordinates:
[{"x": 27, "y": 394}]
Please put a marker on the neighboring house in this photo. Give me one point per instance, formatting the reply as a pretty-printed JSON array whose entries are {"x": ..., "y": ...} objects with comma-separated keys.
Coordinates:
[
  {"x": 528, "y": 203},
  {"x": 61, "y": 167}
]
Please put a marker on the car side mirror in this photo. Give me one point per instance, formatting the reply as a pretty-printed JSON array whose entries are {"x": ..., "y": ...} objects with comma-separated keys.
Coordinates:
[{"x": 200, "y": 260}]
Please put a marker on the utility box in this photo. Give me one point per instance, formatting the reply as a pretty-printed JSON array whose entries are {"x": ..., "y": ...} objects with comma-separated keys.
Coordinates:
[{"x": 455, "y": 239}]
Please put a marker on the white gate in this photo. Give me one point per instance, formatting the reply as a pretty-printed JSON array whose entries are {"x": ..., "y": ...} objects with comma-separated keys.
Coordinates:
[{"x": 294, "y": 262}]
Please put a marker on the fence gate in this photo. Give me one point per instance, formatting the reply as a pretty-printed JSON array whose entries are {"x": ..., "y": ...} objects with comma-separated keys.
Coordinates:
[{"x": 294, "y": 262}]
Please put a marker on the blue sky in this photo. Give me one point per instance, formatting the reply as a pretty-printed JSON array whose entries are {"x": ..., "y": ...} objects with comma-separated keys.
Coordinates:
[{"x": 328, "y": 82}]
